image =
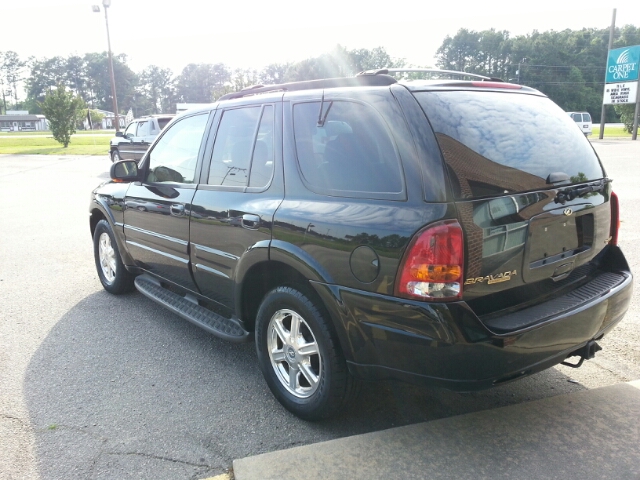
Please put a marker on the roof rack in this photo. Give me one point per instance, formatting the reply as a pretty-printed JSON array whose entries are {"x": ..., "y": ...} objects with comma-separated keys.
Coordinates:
[
  {"x": 378, "y": 80},
  {"x": 387, "y": 71}
]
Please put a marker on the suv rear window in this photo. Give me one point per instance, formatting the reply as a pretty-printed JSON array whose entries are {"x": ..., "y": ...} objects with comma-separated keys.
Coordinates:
[{"x": 496, "y": 143}]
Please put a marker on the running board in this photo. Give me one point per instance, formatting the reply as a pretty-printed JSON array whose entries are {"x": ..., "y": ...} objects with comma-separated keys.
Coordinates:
[{"x": 225, "y": 328}]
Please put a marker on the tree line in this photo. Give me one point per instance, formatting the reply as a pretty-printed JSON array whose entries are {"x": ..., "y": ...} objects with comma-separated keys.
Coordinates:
[
  {"x": 568, "y": 66},
  {"x": 156, "y": 89}
]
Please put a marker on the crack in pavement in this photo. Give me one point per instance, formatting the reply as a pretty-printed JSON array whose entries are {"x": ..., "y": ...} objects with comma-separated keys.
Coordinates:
[
  {"x": 159, "y": 457},
  {"x": 21, "y": 421}
]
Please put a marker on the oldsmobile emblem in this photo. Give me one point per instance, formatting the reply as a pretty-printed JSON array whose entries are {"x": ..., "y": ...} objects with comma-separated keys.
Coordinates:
[{"x": 567, "y": 211}]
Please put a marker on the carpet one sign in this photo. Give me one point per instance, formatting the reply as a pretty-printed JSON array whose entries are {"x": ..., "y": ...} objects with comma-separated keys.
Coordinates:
[{"x": 622, "y": 76}]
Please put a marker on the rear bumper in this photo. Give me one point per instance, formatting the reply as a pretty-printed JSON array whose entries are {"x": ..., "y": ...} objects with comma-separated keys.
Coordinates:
[{"x": 447, "y": 345}]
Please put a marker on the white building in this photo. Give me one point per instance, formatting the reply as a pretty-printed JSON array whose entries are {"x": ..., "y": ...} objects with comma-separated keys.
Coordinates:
[{"x": 21, "y": 121}]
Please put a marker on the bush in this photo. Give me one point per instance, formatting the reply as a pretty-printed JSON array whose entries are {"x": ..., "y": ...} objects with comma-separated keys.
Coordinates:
[{"x": 626, "y": 112}]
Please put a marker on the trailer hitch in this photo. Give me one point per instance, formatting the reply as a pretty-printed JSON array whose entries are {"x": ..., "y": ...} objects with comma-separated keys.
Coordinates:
[{"x": 587, "y": 352}]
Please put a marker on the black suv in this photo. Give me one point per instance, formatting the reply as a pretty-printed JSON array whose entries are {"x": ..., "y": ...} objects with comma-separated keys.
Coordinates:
[
  {"x": 137, "y": 137},
  {"x": 453, "y": 233}
]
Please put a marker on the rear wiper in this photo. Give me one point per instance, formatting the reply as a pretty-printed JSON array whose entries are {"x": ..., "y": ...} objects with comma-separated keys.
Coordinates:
[{"x": 569, "y": 194}]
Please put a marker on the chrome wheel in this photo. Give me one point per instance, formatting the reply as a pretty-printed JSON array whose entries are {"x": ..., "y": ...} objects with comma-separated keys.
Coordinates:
[
  {"x": 115, "y": 156},
  {"x": 107, "y": 257},
  {"x": 294, "y": 353}
]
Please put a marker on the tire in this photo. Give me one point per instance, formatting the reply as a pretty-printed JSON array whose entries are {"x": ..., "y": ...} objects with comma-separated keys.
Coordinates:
[
  {"x": 113, "y": 275},
  {"x": 308, "y": 376},
  {"x": 115, "y": 156}
]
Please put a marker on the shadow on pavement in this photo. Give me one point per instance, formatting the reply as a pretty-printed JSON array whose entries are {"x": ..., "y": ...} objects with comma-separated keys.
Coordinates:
[{"x": 121, "y": 388}]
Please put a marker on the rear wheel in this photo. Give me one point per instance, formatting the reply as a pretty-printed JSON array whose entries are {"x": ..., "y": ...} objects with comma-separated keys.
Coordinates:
[
  {"x": 113, "y": 275},
  {"x": 300, "y": 357}
]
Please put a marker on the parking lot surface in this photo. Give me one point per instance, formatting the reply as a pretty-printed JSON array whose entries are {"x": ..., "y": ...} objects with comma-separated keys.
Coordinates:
[{"x": 97, "y": 386}]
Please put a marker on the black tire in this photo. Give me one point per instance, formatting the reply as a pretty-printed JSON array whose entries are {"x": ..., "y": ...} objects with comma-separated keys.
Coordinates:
[
  {"x": 113, "y": 275},
  {"x": 115, "y": 156},
  {"x": 333, "y": 388}
]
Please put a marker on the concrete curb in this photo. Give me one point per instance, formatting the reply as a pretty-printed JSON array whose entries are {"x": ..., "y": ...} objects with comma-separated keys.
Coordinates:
[{"x": 592, "y": 434}]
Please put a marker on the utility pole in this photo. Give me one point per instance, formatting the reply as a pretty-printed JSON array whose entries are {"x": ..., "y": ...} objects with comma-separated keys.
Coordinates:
[
  {"x": 604, "y": 112},
  {"x": 96, "y": 8}
]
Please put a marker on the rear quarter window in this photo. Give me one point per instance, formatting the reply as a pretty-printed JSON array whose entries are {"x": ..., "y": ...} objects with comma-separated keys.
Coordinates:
[
  {"x": 498, "y": 143},
  {"x": 350, "y": 154}
]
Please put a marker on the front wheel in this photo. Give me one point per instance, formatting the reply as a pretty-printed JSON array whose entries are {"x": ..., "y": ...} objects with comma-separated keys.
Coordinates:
[
  {"x": 300, "y": 357},
  {"x": 115, "y": 156},
  {"x": 113, "y": 275}
]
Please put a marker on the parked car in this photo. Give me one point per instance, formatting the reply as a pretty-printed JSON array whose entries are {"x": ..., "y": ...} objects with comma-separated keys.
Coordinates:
[
  {"x": 452, "y": 233},
  {"x": 583, "y": 120},
  {"x": 137, "y": 137}
]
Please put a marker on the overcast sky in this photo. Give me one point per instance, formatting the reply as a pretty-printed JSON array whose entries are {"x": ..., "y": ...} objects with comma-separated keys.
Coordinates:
[{"x": 253, "y": 34}]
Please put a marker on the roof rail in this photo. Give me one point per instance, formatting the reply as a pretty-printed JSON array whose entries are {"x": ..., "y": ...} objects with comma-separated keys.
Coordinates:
[
  {"x": 387, "y": 71},
  {"x": 357, "y": 81}
]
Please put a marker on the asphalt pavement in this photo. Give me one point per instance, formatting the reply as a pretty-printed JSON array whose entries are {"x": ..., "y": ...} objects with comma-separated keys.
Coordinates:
[{"x": 97, "y": 386}]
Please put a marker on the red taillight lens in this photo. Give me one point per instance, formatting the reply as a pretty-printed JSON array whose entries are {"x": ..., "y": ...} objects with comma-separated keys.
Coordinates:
[
  {"x": 432, "y": 268},
  {"x": 615, "y": 219}
]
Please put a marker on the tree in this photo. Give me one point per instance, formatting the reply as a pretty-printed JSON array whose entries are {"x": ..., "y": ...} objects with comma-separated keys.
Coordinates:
[
  {"x": 202, "y": 82},
  {"x": 10, "y": 70},
  {"x": 568, "y": 65},
  {"x": 62, "y": 108},
  {"x": 273, "y": 74},
  {"x": 45, "y": 74},
  {"x": 157, "y": 88},
  {"x": 99, "y": 81},
  {"x": 96, "y": 116},
  {"x": 626, "y": 112},
  {"x": 340, "y": 62}
]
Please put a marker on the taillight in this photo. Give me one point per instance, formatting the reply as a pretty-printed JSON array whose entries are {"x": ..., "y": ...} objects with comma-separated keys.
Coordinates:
[
  {"x": 432, "y": 267},
  {"x": 615, "y": 219}
]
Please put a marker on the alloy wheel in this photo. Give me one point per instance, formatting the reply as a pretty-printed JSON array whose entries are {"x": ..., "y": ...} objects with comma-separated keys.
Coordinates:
[
  {"x": 107, "y": 257},
  {"x": 294, "y": 353}
]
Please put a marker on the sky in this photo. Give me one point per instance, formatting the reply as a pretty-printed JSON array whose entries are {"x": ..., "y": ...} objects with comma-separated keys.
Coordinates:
[{"x": 250, "y": 34}]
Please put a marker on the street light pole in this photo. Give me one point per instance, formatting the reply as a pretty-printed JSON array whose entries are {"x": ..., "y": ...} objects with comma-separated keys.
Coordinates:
[
  {"x": 520, "y": 67},
  {"x": 106, "y": 4}
]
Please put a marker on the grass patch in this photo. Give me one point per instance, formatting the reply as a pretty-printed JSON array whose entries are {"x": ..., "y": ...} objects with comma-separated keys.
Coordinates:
[
  {"x": 48, "y": 133},
  {"x": 610, "y": 132},
  {"x": 46, "y": 145}
]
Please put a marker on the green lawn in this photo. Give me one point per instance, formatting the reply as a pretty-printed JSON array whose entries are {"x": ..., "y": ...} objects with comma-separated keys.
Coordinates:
[
  {"x": 46, "y": 145},
  {"x": 48, "y": 133},
  {"x": 610, "y": 132}
]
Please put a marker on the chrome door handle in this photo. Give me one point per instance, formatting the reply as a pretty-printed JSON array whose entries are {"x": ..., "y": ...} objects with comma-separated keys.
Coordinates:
[
  {"x": 250, "y": 221},
  {"x": 177, "y": 209}
]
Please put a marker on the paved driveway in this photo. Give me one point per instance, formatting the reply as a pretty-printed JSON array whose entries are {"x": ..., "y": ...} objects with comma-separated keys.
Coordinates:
[{"x": 97, "y": 386}]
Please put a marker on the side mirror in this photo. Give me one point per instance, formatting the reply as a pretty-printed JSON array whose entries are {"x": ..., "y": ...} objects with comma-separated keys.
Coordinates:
[
  {"x": 124, "y": 171},
  {"x": 119, "y": 134}
]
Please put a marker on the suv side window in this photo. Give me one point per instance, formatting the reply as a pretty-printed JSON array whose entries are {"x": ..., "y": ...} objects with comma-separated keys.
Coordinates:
[
  {"x": 352, "y": 151},
  {"x": 241, "y": 142},
  {"x": 174, "y": 157},
  {"x": 262, "y": 159},
  {"x": 143, "y": 129},
  {"x": 130, "y": 132}
]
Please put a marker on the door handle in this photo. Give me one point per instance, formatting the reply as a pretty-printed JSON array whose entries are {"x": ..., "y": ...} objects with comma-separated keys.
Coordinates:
[
  {"x": 177, "y": 209},
  {"x": 250, "y": 221}
]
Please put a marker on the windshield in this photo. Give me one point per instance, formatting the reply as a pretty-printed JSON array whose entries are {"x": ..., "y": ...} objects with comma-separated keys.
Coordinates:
[{"x": 496, "y": 143}]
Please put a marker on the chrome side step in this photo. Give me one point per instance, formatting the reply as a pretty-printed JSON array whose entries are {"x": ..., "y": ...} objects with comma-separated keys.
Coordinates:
[{"x": 187, "y": 308}]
